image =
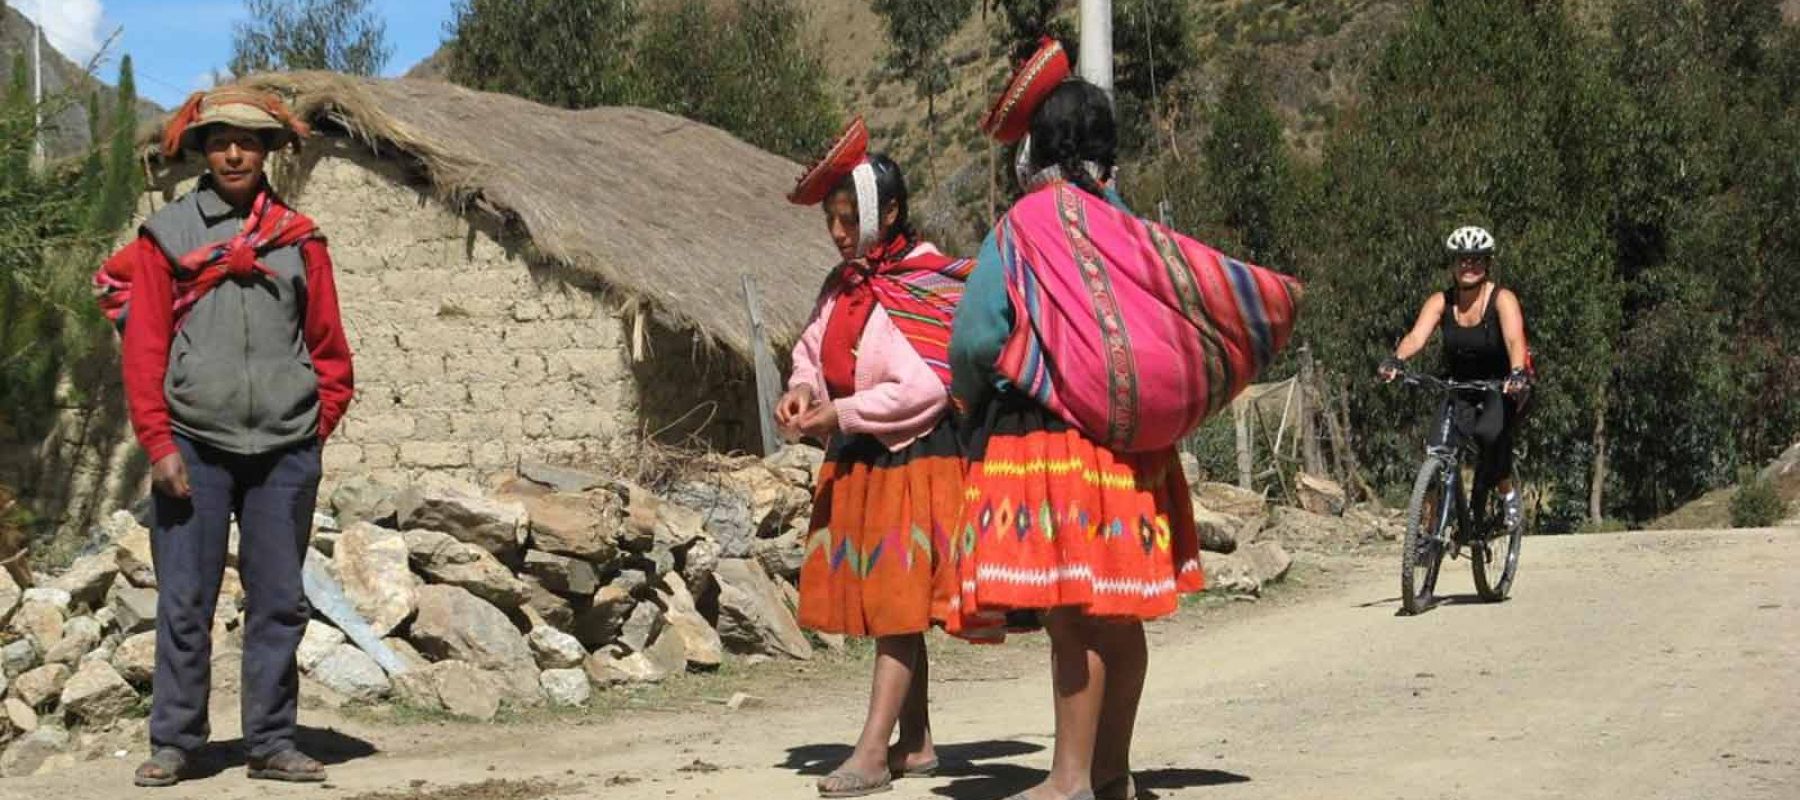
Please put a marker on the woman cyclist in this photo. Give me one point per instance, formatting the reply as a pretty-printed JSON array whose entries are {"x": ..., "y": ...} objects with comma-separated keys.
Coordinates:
[{"x": 1483, "y": 339}]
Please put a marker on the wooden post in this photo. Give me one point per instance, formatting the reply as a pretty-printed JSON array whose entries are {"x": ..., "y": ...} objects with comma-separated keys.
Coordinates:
[
  {"x": 768, "y": 378},
  {"x": 1313, "y": 460},
  {"x": 1245, "y": 461}
]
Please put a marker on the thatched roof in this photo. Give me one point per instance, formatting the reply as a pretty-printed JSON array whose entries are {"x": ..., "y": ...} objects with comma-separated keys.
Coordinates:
[{"x": 658, "y": 208}]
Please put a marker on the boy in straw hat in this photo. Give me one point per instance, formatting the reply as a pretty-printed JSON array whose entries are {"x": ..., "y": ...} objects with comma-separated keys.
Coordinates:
[{"x": 236, "y": 370}]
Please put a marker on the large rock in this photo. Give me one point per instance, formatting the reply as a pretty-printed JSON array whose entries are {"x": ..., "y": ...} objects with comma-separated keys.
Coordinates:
[
  {"x": 25, "y": 756},
  {"x": 497, "y": 526},
  {"x": 699, "y": 560},
  {"x": 1300, "y": 529},
  {"x": 451, "y": 686},
  {"x": 96, "y": 694},
  {"x": 549, "y": 607},
  {"x": 560, "y": 479},
  {"x": 53, "y": 596},
  {"x": 1320, "y": 495},
  {"x": 774, "y": 500},
  {"x": 133, "y": 556},
  {"x": 554, "y": 649},
  {"x": 1218, "y": 532},
  {"x": 20, "y": 716},
  {"x": 10, "y": 596},
  {"x": 135, "y": 659},
  {"x": 79, "y": 636},
  {"x": 39, "y": 621},
  {"x": 797, "y": 464},
  {"x": 88, "y": 579},
  {"x": 783, "y": 555},
  {"x": 1247, "y": 571},
  {"x": 455, "y": 625},
  {"x": 584, "y": 527},
  {"x": 361, "y": 498},
  {"x": 725, "y": 513},
  {"x": 18, "y": 657},
  {"x": 563, "y": 575},
  {"x": 611, "y": 666},
  {"x": 403, "y": 650},
  {"x": 753, "y": 616},
  {"x": 642, "y": 627},
  {"x": 42, "y": 686},
  {"x": 1227, "y": 499},
  {"x": 667, "y": 652},
  {"x": 443, "y": 559},
  {"x": 134, "y": 608},
  {"x": 318, "y": 642},
  {"x": 566, "y": 688},
  {"x": 701, "y": 646},
  {"x": 1268, "y": 561},
  {"x": 370, "y": 562},
  {"x": 602, "y": 619},
  {"x": 352, "y": 673}
]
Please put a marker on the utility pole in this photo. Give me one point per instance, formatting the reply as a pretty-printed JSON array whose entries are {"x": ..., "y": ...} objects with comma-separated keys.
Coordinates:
[
  {"x": 37, "y": 91},
  {"x": 1096, "y": 57}
]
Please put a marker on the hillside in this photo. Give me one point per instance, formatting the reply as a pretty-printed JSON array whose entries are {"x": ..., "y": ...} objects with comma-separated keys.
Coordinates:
[{"x": 69, "y": 129}]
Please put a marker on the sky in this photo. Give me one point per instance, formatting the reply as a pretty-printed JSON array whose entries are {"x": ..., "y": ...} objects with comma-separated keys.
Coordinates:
[{"x": 176, "y": 44}]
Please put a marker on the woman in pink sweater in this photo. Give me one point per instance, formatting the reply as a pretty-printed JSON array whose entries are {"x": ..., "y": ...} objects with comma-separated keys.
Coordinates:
[{"x": 871, "y": 377}]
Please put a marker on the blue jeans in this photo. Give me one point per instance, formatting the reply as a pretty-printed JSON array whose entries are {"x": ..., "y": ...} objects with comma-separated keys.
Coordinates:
[{"x": 272, "y": 495}]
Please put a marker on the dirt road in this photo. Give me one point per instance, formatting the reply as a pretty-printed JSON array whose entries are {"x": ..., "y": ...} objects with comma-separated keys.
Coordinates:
[{"x": 1649, "y": 665}]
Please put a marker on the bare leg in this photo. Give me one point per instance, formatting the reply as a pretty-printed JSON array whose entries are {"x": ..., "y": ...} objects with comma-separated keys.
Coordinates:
[
  {"x": 915, "y": 747},
  {"x": 1080, "y": 681},
  {"x": 894, "y": 660},
  {"x": 1127, "y": 658}
]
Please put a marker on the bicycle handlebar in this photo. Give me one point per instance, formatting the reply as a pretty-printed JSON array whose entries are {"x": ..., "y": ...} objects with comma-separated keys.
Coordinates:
[{"x": 1451, "y": 385}]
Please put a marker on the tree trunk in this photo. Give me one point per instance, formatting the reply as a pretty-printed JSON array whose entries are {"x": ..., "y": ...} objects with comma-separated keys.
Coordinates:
[
  {"x": 1597, "y": 484},
  {"x": 1312, "y": 458}
]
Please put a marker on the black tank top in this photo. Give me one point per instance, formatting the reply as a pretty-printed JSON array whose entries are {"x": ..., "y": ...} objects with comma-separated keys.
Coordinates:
[{"x": 1477, "y": 352}]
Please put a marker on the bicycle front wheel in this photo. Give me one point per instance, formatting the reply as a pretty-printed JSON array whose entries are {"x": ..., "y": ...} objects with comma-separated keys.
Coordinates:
[
  {"x": 1495, "y": 559},
  {"x": 1422, "y": 551}
]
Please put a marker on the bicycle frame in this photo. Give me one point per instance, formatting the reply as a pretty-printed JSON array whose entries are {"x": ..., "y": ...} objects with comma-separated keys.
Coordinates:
[{"x": 1450, "y": 456}]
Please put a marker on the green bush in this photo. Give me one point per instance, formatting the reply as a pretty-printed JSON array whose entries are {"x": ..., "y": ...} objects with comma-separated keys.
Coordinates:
[{"x": 1756, "y": 505}]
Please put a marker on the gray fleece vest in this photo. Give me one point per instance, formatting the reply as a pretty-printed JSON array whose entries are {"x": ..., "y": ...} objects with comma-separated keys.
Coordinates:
[{"x": 240, "y": 376}]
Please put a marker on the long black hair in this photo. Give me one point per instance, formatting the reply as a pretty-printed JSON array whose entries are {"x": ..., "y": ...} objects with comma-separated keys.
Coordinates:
[
  {"x": 890, "y": 187},
  {"x": 1074, "y": 125}
]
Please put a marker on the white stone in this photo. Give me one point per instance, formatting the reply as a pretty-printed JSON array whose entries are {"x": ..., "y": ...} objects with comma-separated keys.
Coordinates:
[{"x": 566, "y": 688}]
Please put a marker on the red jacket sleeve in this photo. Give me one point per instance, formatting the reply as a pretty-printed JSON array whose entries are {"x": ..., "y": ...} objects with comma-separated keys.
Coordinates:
[
  {"x": 325, "y": 338},
  {"x": 149, "y": 328}
]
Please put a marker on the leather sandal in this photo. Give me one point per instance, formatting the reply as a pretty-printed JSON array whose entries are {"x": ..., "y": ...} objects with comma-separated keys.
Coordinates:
[
  {"x": 163, "y": 768},
  {"x": 288, "y": 766},
  {"x": 844, "y": 783}
]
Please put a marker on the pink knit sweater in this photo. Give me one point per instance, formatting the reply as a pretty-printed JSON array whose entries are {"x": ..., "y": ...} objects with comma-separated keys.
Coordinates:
[{"x": 898, "y": 398}]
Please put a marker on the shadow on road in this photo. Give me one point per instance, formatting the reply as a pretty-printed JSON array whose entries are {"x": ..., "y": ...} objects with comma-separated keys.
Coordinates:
[
  {"x": 328, "y": 746},
  {"x": 957, "y": 759},
  {"x": 1003, "y": 780}
]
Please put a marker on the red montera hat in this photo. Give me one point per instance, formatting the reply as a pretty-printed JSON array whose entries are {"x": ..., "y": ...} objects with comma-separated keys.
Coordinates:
[
  {"x": 1010, "y": 117},
  {"x": 851, "y": 149}
]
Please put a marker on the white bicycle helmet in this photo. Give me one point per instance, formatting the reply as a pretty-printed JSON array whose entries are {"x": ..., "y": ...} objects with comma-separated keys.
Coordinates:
[{"x": 1470, "y": 241}]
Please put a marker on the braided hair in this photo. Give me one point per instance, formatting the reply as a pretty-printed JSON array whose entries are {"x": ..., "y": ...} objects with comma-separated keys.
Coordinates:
[{"x": 1072, "y": 128}]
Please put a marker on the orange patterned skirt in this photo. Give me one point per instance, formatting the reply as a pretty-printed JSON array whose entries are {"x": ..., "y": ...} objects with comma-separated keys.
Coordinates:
[
  {"x": 1052, "y": 519},
  {"x": 877, "y": 556}
]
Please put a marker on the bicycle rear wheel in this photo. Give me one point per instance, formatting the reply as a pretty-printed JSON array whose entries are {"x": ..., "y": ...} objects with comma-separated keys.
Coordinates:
[
  {"x": 1495, "y": 559},
  {"x": 1421, "y": 552}
]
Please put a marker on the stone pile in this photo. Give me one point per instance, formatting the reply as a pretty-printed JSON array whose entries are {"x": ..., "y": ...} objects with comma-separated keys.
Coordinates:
[{"x": 442, "y": 595}]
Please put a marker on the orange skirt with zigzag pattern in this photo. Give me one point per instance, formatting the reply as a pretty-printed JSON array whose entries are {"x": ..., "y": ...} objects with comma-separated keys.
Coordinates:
[{"x": 1051, "y": 519}]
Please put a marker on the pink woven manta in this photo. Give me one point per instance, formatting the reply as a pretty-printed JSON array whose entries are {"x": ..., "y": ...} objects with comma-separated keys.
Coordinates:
[{"x": 1126, "y": 329}]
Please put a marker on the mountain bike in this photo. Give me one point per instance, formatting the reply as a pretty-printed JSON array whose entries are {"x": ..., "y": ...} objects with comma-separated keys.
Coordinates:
[{"x": 1442, "y": 519}]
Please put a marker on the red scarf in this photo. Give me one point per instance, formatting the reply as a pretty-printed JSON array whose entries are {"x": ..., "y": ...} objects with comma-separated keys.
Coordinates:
[
  {"x": 919, "y": 293},
  {"x": 270, "y": 226}
]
